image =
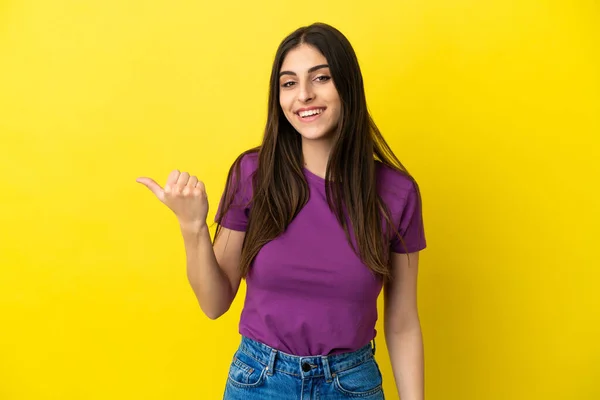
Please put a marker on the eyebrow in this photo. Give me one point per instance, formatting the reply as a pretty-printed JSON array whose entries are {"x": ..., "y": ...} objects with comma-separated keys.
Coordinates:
[{"x": 311, "y": 69}]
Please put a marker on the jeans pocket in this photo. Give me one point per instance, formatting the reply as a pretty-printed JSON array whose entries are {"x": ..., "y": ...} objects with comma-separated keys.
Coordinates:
[
  {"x": 245, "y": 371},
  {"x": 363, "y": 380}
]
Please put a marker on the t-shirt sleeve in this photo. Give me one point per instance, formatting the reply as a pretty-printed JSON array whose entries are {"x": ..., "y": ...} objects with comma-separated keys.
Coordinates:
[
  {"x": 237, "y": 195},
  {"x": 410, "y": 226}
]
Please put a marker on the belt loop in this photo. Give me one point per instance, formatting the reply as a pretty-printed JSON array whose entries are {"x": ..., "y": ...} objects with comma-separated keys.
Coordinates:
[
  {"x": 271, "y": 366},
  {"x": 326, "y": 370}
]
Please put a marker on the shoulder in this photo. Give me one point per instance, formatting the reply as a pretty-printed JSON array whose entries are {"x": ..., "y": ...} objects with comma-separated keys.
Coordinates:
[
  {"x": 245, "y": 165},
  {"x": 394, "y": 185},
  {"x": 239, "y": 183}
]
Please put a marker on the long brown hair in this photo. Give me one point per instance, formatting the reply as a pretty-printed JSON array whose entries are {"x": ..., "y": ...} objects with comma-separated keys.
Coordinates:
[{"x": 279, "y": 187}]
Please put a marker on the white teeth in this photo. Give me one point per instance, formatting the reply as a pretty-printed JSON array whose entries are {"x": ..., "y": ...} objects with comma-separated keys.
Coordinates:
[{"x": 310, "y": 112}]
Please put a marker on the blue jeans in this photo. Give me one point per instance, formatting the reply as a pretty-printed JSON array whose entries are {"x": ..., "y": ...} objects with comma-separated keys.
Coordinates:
[{"x": 258, "y": 371}]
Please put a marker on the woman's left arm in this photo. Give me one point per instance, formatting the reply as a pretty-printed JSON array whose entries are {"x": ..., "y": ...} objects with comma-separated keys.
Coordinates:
[{"x": 402, "y": 327}]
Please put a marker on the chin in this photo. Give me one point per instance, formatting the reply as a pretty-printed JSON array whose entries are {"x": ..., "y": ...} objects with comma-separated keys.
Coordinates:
[
  {"x": 311, "y": 135},
  {"x": 315, "y": 134}
]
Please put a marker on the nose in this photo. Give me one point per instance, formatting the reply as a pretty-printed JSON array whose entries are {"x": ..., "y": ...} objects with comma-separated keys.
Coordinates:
[{"x": 306, "y": 92}]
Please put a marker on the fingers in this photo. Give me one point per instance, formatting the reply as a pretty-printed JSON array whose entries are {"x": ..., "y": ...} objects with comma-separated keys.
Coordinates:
[
  {"x": 194, "y": 187},
  {"x": 152, "y": 185},
  {"x": 199, "y": 189},
  {"x": 178, "y": 183},
  {"x": 192, "y": 182},
  {"x": 171, "y": 181},
  {"x": 191, "y": 185},
  {"x": 182, "y": 182}
]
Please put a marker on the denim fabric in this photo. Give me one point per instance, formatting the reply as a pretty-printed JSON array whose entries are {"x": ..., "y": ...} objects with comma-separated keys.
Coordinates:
[{"x": 258, "y": 371}]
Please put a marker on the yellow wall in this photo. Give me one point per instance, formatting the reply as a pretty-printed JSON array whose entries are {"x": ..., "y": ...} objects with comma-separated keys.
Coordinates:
[{"x": 493, "y": 105}]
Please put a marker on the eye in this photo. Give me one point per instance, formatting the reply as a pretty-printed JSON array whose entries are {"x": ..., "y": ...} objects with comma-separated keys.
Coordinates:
[
  {"x": 323, "y": 78},
  {"x": 287, "y": 84}
]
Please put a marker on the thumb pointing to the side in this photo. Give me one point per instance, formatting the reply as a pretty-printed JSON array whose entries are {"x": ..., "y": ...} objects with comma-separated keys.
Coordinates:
[{"x": 153, "y": 186}]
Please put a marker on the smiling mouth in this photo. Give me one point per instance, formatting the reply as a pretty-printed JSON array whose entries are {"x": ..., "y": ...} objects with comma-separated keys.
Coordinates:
[{"x": 310, "y": 113}]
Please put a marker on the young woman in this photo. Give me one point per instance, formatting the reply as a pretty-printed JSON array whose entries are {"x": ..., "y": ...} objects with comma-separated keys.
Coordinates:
[{"x": 317, "y": 219}]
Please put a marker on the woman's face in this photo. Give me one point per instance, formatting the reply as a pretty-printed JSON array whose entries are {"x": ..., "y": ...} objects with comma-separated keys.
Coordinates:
[{"x": 307, "y": 94}]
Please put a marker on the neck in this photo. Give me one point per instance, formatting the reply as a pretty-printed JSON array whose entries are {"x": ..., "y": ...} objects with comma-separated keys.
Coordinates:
[{"x": 316, "y": 155}]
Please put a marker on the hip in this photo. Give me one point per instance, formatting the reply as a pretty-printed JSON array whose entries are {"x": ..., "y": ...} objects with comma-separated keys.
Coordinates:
[{"x": 258, "y": 371}]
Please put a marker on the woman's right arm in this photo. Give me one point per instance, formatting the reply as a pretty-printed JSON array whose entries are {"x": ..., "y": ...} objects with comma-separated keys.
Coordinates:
[{"x": 212, "y": 270}]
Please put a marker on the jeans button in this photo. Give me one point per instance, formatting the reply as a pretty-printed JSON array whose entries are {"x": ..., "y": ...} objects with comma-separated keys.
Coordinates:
[{"x": 306, "y": 367}]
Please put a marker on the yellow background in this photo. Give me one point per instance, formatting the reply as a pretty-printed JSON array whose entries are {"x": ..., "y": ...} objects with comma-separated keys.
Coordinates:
[{"x": 493, "y": 105}]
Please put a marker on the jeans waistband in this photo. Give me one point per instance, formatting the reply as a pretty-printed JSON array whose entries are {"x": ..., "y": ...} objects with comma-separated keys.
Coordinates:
[{"x": 326, "y": 366}]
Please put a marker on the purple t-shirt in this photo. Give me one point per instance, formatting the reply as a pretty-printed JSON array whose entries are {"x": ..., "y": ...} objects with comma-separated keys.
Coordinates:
[{"x": 307, "y": 291}]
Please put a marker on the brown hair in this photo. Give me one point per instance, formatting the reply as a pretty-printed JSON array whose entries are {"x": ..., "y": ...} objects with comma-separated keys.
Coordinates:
[{"x": 279, "y": 186}]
